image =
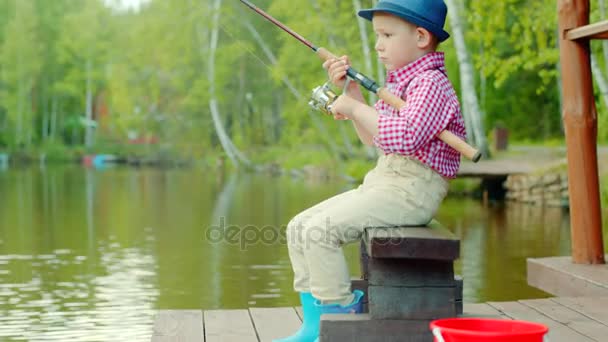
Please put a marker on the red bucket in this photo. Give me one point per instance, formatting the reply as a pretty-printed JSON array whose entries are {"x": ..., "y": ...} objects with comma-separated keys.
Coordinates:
[{"x": 487, "y": 330}]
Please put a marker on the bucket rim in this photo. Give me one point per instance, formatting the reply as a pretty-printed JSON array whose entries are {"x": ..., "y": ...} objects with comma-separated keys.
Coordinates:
[{"x": 541, "y": 328}]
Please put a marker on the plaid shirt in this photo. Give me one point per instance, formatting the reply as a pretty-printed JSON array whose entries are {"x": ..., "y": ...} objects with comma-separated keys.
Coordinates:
[{"x": 432, "y": 106}]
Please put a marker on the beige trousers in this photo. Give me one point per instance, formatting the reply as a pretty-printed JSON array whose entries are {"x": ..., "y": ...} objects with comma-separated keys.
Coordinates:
[{"x": 398, "y": 191}]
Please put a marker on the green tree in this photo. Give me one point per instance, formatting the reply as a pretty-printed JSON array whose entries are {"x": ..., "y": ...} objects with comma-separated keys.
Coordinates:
[
  {"x": 82, "y": 49},
  {"x": 21, "y": 62}
]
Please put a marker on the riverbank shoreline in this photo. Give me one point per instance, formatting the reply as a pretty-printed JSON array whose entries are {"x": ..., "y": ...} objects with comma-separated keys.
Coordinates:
[{"x": 309, "y": 163}]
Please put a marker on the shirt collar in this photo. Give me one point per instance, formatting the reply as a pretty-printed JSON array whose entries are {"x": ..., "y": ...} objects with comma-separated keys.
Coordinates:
[{"x": 432, "y": 60}]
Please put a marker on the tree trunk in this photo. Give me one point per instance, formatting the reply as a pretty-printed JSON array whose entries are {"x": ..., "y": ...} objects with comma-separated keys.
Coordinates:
[
  {"x": 46, "y": 120},
  {"x": 231, "y": 151},
  {"x": 53, "y": 125},
  {"x": 30, "y": 118},
  {"x": 599, "y": 78},
  {"x": 367, "y": 58},
  {"x": 314, "y": 117},
  {"x": 598, "y": 75},
  {"x": 604, "y": 42},
  {"x": 346, "y": 139},
  {"x": 559, "y": 82},
  {"x": 467, "y": 80},
  {"x": 19, "y": 130},
  {"x": 370, "y": 150},
  {"x": 88, "y": 140}
]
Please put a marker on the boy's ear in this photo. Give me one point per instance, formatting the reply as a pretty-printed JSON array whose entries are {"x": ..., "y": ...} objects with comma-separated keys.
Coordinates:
[{"x": 424, "y": 38}]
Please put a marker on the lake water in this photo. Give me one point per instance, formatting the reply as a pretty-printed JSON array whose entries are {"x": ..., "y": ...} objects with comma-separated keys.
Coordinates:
[{"x": 89, "y": 255}]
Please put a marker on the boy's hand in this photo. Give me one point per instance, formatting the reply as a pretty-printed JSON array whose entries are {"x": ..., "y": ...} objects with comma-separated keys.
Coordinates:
[
  {"x": 343, "y": 107},
  {"x": 336, "y": 70},
  {"x": 338, "y": 116}
]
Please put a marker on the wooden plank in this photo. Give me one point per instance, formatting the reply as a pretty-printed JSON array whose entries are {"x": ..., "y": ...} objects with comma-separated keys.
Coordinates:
[
  {"x": 592, "y": 307},
  {"x": 557, "y": 331},
  {"x": 273, "y": 323},
  {"x": 597, "y": 30},
  {"x": 482, "y": 310},
  {"x": 178, "y": 325},
  {"x": 574, "y": 320},
  {"x": 433, "y": 242},
  {"x": 560, "y": 277},
  {"x": 229, "y": 326},
  {"x": 299, "y": 312}
]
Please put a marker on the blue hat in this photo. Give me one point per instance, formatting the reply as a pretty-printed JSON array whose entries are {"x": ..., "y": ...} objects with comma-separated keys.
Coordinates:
[{"x": 429, "y": 14}]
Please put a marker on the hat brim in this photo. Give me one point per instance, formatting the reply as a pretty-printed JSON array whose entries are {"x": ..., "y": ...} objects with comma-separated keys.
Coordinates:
[{"x": 439, "y": 32}]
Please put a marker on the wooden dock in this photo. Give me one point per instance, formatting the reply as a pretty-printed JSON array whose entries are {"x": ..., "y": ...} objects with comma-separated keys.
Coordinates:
[
  {"x": 497, "y": 168},
  {"x": 560, "y": 277},
  {"x": 570, "y": 319},
  {"x": 524, "y": 160}
]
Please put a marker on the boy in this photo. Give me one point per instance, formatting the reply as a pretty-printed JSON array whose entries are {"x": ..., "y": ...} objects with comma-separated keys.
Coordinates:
[{"x": 411, "y": 177}]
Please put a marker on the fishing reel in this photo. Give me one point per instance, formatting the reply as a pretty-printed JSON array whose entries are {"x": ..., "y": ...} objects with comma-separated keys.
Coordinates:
[{"x": 322, "y": 98}]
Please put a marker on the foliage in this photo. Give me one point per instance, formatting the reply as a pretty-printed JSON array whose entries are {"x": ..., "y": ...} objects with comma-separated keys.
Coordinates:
[{"x": 149, "y": 73}]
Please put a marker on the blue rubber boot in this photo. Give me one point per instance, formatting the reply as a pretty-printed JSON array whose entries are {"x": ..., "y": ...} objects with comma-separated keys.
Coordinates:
[
  {"x": 309, "y": 330},
  {"x": 353, "y": 308}
]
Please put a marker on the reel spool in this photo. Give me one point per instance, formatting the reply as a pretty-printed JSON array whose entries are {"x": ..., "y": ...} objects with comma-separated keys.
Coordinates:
[{"x": 322, "y": 98}]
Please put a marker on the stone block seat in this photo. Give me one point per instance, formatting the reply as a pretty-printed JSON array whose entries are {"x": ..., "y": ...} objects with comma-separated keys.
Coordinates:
[{"x": 408, "y": 277}]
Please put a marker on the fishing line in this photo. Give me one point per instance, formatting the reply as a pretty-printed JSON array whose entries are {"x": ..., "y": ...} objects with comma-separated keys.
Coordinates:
[{"x": 245, "y": 46}]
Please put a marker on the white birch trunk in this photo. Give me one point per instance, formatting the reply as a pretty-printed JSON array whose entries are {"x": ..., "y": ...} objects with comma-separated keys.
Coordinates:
[
  {"x": 273, "y": 60},
  {"x": 467, "y": 79},
  {"x": 314, "y": 116},
  {"x": 89, "y": 106},
  {"x": 604, "y": 42},
  {"x": 367, "y": 57},
  {"x": 596, "y": 71},
  {"x": 235, "y": 156},
  {"x": 369, "y": 150},
  {"x": 599, "y": 78},
  {"x": 559, "y": 84}
]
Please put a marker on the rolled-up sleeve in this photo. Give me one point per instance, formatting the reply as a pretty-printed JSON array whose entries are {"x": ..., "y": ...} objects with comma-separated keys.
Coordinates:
[{"x": 423, "y": 117}]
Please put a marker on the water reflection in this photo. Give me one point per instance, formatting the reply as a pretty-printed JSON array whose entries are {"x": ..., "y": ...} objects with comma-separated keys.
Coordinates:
[
  {"x": 495, "y": 242},
  {"x": 53, "y": 296},
  {"x": 90, "y": 254},
  {"x": 60, "y": 278}
]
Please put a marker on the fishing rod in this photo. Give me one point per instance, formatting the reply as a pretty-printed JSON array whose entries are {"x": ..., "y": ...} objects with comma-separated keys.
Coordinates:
[{"x": 323, "y": 96}]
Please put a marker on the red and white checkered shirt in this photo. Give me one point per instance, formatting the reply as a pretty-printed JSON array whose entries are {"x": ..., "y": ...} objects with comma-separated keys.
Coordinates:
[{"x": 431, "y": 107}]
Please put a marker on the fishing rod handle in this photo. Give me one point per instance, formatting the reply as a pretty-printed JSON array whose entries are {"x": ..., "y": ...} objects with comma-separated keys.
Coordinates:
[
  {"x": 395, "y": 101},
  {"x": 460, "y": 145}
]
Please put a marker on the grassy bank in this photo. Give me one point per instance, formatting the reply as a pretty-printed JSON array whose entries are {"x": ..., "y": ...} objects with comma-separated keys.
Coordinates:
[{"x": 305, "y": 161}]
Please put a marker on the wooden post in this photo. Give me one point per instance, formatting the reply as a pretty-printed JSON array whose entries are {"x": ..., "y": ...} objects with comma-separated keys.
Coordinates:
[{"x": 580, "y": 122}]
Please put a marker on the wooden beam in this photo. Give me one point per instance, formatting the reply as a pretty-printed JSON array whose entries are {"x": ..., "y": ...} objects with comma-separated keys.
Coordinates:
[
  {"x": 598, "y": 30},
  {"x": 580, "y": 123}
]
